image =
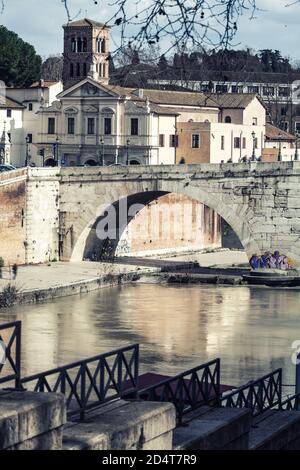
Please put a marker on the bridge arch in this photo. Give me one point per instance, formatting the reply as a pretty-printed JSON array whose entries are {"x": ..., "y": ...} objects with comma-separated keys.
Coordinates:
[{"x": 238, "y": 217}]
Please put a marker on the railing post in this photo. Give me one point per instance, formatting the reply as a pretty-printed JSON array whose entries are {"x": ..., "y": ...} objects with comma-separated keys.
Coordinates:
[
  {"x": 82, "y": 391},
  {"x": 218, "y": 376},
  {"x": 18, "y": 355},
  {"x": 297, "y": 386},
  {"x": 280, "y": 388},
  {"x": 120, "y": 372},
  {"x": 136, "y": 368}
]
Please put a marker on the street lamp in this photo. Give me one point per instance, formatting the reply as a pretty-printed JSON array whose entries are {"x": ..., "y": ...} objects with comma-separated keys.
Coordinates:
[
  {"x": 57, "y": 152},
  {"x": 27, "y": 159},
  {"x": 253, "y": 156},
  {"x": 279, "y": 159},
  {"x": 296, "y": 157},
  {"x": 127, "y": 154},
  {"x": 102, "y": 151}
]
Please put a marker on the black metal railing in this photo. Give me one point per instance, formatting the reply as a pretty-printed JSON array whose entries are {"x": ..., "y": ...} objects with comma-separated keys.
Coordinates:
[
  {"x": 259, "y": 395},
  {"x": 89, "y": 383},
  {"x": 189, "y": 390},
  {"x": 291, "y": 403},
  {"x": 10, "y": 368}
]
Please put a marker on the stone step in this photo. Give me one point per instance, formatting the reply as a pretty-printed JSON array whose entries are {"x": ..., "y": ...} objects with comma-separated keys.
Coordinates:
[
  {"x": 123, "y": 425},
  {"x": 214, "y": 429},
  {"x": 275, "y": 430},
  {"x": 31, "y": 420}
]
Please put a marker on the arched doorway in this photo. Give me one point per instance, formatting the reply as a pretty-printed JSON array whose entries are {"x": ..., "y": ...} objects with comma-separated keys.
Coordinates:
[
  {"x": 50, "y": 162},
  {"x": 91, "y": 162}
]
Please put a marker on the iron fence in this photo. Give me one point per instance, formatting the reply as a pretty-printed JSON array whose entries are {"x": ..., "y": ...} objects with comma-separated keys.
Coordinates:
[
  {"x": 189, "y": 390},
  {"x": 89, "y": 383},
  {"x": 259, "y": 395},
  {"x": 291, "y": 403},
  {"x": 10, "y": 367}
]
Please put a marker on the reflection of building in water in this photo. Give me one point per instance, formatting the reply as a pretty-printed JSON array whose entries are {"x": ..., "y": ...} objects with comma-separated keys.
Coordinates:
[
  {"x": 172, "y": 223},
  {"x": 186, "y": 321}
]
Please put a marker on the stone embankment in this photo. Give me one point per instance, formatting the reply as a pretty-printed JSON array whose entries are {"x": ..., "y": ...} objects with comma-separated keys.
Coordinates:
[{"x": 37, "y": 283}]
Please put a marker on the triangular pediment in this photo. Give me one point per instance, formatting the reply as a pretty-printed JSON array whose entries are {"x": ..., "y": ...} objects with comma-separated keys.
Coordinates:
[{"x": 88, "y": 88}]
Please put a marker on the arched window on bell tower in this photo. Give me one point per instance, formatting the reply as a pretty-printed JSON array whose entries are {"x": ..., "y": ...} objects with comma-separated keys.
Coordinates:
[
  {"x": 84, "y": 45},
  {"x": 98, "y": 44},
  {"x": 103, "y": 46},
  {"x": 73, "y": 44},
  {"x": 79, "y": 45}
]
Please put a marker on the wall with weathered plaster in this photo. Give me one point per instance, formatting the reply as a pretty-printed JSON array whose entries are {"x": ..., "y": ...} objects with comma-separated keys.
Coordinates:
[
  {"x": 42, "y": 216},
  {"x": 12, "y": 217},
  {"x": 172, "y": 223}
]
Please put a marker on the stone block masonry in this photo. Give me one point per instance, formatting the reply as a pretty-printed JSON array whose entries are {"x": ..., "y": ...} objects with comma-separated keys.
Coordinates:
[
  {"x": 31, "y": 421},
  {"x": 258, "y": 200}
]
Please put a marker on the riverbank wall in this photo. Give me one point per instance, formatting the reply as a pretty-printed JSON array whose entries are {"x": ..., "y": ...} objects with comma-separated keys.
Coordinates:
[{"x": 75, "y": 288}]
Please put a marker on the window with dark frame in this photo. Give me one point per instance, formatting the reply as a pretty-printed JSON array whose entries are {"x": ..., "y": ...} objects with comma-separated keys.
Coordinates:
[
  {"x": 173, "y": 140},
  {"x": 91, "y": 126},
  {"x": 161, "y": 140},
  {"x": 222, "y": 142},
  {"x": 195, "y": 141},
  {"x": 30, "y": 106},
  {"x": 51, "y": 125},
  {"x": 237, "y": 143},
  {"x": 71, "y": 126},
  {"x": 107, "y": 126},
  {"x": 134, "y": 126},
  {"x": 29, "y": 138},
  {"x": 8, "y": 113}
]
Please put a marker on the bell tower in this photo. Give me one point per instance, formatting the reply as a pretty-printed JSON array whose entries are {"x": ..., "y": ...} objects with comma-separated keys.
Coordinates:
[{"x": 86, "y": 48}]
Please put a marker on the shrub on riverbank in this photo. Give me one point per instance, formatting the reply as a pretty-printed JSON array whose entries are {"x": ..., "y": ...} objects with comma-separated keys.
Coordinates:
[{"x": 8, "y": 296}]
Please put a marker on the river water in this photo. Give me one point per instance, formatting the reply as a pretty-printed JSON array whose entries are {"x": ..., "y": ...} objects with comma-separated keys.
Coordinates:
[{"x": 178, "y": 327}]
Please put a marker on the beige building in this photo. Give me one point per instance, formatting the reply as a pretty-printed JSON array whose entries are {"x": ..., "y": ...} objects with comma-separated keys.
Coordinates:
[
  {"x": 239, "y": 129},
  {"x": 279, "y": 145}
]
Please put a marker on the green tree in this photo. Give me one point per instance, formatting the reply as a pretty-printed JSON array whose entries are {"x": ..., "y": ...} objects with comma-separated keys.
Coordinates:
[{"x": 19, "y": 63}]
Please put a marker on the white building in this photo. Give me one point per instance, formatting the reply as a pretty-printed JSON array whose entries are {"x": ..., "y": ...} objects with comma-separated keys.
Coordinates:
[
  {"x": 19, "y": 118},
  {"x": 92, "y": 123}
]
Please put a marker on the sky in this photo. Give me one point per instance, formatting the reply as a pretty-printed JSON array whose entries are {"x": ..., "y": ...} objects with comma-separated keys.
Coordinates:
[{"x": 275, "y": 26}]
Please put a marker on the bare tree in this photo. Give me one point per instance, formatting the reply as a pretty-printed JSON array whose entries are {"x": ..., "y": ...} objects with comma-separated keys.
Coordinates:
[{"x": 197, "y": 22}]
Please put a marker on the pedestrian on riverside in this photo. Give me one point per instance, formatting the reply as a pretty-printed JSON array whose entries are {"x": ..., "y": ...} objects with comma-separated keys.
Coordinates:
[
  {"x": 264, "y": 262},
  {"x": 15, "y": 271},
  {"x": 254, "y": 262}
]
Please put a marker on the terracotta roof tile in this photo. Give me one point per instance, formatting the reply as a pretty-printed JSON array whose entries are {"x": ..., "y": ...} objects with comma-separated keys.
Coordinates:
[
  {"x": 274, "y": 133},
  {"x": 85, "y": 22},
  {"x": 6, "y": 102}
]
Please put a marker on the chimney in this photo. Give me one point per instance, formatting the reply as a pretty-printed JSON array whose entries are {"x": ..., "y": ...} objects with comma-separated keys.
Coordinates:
[
  {"x": 141, "y": 93},
  {"x": 42, "y": 82}
]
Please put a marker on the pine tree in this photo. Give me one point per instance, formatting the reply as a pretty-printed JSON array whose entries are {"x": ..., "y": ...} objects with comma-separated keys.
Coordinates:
[{"x": 19, "y": 63}]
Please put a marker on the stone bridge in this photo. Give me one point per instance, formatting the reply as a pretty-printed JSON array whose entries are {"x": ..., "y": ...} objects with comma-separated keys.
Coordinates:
[{"x": 261, "y": 202}]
